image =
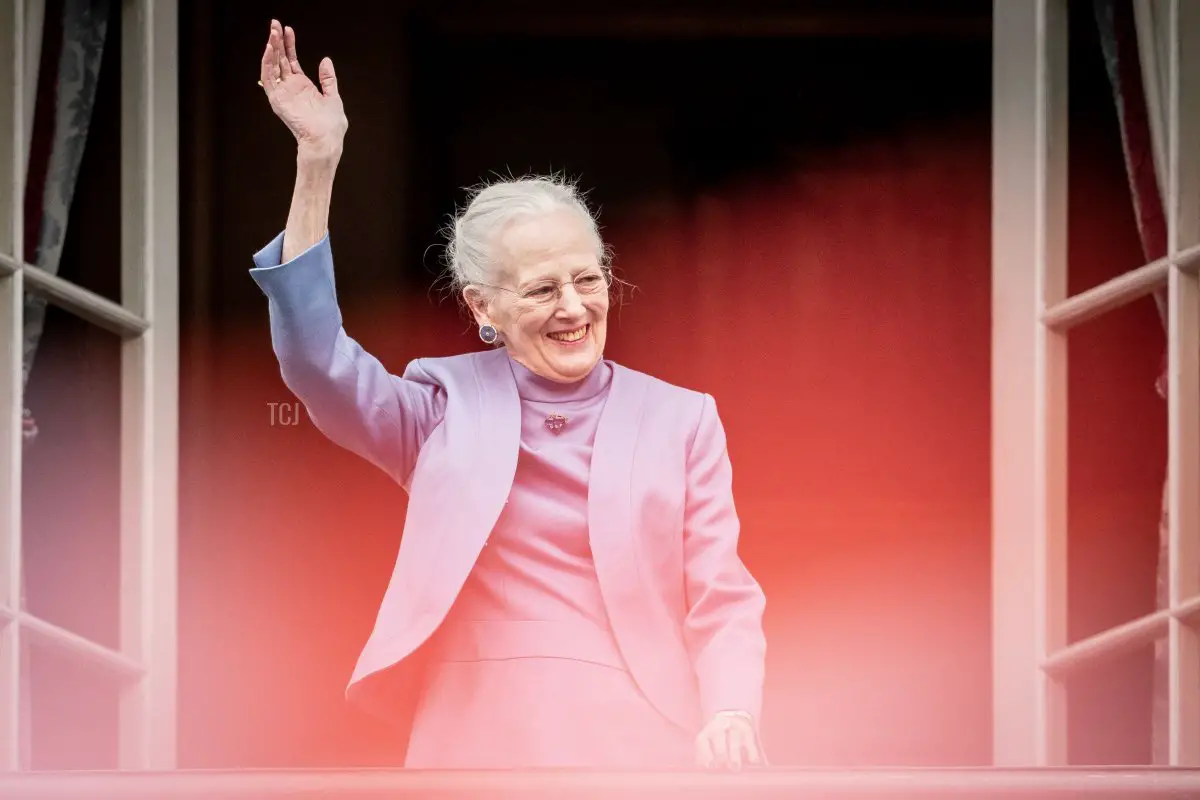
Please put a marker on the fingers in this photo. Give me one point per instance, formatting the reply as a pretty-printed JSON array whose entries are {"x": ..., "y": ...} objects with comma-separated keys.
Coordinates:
[
  {"x": 328, "y": 77},
  {"x": 266, "y": 70},
  {"x": 727, "y": 746},
  {"x": 742, "y": 749},
  {"x": 712, "y": 746},
  {"x": 735, "y": 747},
  {"x": 705, "y": 757},
  {"x": 289, "y": 48},
  {"x": 754, "y": 754},
  {"x": 270, "y": 73},
  {"x": 281, "y": 60}
]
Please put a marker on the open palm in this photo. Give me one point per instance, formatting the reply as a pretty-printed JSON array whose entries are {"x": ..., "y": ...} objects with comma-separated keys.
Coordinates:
[{"x": 313, "y": 113}]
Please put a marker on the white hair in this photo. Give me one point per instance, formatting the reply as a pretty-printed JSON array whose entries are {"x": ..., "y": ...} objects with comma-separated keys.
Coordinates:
[{"x": 492, "y": 206}]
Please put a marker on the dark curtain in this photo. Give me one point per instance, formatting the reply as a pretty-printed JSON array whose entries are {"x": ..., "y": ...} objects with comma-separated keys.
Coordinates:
[
  {"x": 60, "y": 699},
  {"x": 1129, "y": 41}
]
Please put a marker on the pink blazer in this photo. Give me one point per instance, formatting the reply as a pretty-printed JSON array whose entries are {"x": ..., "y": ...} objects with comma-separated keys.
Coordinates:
[{"x": 686, "y": 613}]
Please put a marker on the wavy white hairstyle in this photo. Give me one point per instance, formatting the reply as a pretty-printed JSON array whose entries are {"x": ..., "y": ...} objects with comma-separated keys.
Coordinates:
[{"x": 491, "y": 206}]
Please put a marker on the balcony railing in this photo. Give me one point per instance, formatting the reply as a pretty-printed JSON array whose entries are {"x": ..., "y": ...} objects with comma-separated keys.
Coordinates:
[{"x": 876, "y": 784}]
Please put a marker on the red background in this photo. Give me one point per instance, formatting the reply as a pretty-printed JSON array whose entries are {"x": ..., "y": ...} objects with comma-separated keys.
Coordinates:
[{"x": 807, "y": 223}]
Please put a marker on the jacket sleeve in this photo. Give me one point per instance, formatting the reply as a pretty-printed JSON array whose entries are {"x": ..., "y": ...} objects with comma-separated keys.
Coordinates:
[
  {"x": 348, "y": 393},
  {"x": 723, "y": 627}
]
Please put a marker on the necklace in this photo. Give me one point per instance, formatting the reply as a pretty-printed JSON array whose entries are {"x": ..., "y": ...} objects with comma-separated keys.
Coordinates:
[{"x": 555, "y": 423}]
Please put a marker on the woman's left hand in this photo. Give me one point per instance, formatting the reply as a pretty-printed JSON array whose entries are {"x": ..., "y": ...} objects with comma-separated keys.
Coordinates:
[{"x": 728, "y": 741}]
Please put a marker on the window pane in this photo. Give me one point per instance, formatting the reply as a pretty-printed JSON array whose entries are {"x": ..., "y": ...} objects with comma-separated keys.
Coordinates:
[
  {"x": 1110, "y": 710},
  {"x": 1160, "y": 704},
  {"x": 71, "y": 709},
  {"x": 1117, "y": 459},
  {"x": 1160, "y": 715},
  {"x": 71, "y": 478},
  {"x": 73, "y": 195}
]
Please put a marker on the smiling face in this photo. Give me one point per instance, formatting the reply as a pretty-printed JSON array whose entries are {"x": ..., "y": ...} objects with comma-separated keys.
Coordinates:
[{"x": 549, "y": 296}]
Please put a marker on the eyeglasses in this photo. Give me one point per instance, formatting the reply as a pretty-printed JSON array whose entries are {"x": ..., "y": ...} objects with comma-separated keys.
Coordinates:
[{"x": 548, "y": 292}]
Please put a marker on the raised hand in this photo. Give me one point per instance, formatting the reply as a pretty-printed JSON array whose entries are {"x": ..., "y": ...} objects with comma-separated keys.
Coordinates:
[{"x": 313, "y": 113}]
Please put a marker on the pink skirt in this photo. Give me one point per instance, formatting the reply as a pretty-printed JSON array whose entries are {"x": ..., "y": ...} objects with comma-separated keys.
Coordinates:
[{"x": 529, "y": 713}]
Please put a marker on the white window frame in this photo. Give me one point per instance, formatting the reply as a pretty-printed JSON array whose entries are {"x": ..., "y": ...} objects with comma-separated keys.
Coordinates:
[
  {"x": 1032, "y": 316},
  {"x": 147, "y": 320}
]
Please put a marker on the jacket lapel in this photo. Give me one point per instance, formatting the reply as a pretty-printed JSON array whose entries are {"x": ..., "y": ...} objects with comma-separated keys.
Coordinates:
[
  {"x": 471, "y": 484},
  {"x": 499, "y": 409},
  {"x": 638, "y": 620},
  {"x": 494, "y": 445},
  {"x": 612, "y": 523},
  {"x": 610, "y": 504}
]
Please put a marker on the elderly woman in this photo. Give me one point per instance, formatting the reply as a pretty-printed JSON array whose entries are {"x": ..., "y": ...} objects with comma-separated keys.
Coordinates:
[{"x": 568, "y": 567}]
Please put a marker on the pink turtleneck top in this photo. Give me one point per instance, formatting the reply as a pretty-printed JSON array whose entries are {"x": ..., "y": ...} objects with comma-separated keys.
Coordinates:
[
  {"x": 533, "y": 591},
  {"x": 525, "y": 670}
]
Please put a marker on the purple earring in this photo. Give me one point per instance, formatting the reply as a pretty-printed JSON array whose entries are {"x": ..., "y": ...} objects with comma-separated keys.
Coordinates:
[{"x": 488, "y": 334}]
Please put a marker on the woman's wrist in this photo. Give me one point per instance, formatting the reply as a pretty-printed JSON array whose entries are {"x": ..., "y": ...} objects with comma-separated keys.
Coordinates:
[
  {"x": 318, "y": 159},
  {"x": 316, "y": 167},
  {"x": 735, "y": 712},
  {"x": 308, "y": 217}
]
